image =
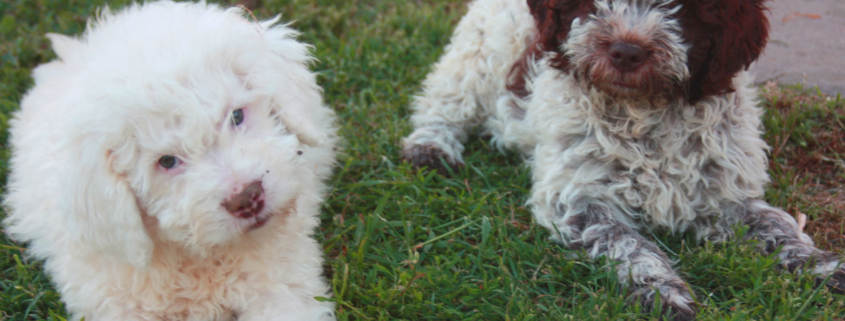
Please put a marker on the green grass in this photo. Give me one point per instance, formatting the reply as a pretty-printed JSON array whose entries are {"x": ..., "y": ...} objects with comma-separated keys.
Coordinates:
[{"x": 417, "y": 246}]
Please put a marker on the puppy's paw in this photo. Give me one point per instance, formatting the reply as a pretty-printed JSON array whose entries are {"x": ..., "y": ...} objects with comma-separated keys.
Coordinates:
[
  {"x": 677, "y": 313},
  {"x": 830, "y": 264},
  {"x": 431, "y": 156},
  {"x": 670, "y": 311},
  {"x": 675, "y": 300},
  {"x": 836, "y": 283}
]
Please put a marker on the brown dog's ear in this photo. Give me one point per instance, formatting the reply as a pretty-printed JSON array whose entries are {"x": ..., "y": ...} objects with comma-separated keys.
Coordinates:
[
  {"x": 726, "y": 37},
  {"x": 553, "y": 19},
  {"x": 99, "y": 205}
]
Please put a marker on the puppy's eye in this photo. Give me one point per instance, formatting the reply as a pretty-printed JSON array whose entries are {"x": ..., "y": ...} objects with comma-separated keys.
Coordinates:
[
  {"x": 237, "y": 117},
  {"x": 168, "y": 161}
]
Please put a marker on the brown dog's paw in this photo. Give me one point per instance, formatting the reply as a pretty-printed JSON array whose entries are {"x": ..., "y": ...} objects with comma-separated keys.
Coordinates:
[
  {"x": 818, "y": 262},
  {"x": 430, "y": 156},
  {"x": 676, "y": 302},
  {"x": 836, "y": 282},
  {"x": 671, "y": 312},
  {"x": 678, "y": 313}
]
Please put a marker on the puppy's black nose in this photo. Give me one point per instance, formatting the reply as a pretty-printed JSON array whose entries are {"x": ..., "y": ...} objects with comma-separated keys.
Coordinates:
[
  {"x": 625, "y": 56},
  {"x": 248, "y": 202}
]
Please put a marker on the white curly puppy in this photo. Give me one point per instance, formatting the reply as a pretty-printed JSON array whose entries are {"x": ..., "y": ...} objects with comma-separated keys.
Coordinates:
[
  {"x": 635, "y": 113},
  {"x": 169, "y": 165}
]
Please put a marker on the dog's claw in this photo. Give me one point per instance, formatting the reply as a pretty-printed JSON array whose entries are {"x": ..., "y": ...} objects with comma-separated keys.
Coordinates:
[
  {"x": 672, "y": 294},
  {"x": 430, "y": 156},
  {"x": 680, "y": 314},
  {"x": 671, "y": 311}
]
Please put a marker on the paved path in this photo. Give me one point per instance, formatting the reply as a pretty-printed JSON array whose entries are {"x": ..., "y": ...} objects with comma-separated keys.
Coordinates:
[{"x": 806, "y": 44}]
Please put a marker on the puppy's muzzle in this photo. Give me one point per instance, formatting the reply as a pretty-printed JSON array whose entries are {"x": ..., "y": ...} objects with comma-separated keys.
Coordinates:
[
  {"x": 626, "y": 56},
  {"x": 247, "y": 203}
]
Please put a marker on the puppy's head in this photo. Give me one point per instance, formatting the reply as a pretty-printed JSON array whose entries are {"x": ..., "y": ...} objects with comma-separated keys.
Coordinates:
[
  {"x": 190, "y": 124},
  {"x": 652, "y": 49}
]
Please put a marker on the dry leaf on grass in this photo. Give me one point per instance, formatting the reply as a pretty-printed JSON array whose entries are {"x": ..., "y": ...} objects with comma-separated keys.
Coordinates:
[
  {"x": 798, "y": 14},
  {"x": 802, "y": 221}
]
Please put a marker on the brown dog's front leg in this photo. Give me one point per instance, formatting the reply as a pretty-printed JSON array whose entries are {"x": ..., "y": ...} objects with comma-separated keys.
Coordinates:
[
  {"x": 643, "y": 267},
  {"x": 775, "y": 229}
]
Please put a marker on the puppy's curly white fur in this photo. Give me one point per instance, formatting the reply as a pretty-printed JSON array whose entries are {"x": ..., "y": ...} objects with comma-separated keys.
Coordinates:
[
  {"x": 635, "y": 113},
  {"x": 169, "y": 165}
]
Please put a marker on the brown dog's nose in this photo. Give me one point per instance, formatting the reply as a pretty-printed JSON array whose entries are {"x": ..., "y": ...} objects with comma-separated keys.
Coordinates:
[
  {"x": 625, "y": 56},
  {"x": 248, "y": 203}
]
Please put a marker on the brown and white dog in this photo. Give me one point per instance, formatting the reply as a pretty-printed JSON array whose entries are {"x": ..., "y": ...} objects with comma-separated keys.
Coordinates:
[{"x": 634, "y": 113}]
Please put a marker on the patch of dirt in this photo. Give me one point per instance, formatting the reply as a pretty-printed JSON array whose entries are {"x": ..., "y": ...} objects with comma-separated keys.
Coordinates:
[
  {"x": 818, "y": 157},
  {"x": 827, "y": 229}
]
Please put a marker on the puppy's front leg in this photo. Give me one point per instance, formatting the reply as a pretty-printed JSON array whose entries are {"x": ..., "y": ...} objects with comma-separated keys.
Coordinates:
[
  {"x": 462, "y": 90},
  {"x": 572, "y": 199},
  {"x": 287, "y": 308},
  {"x": 775, "y": 229},
  {"x": 592, "y": 226}
]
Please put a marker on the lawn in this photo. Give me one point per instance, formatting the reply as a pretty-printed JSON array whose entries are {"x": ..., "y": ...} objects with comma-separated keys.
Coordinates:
[{"x": 407, "y": 245}]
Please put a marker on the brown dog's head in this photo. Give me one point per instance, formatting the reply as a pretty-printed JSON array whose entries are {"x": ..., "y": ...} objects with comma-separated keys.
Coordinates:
[{"x": 644, "y": 49}]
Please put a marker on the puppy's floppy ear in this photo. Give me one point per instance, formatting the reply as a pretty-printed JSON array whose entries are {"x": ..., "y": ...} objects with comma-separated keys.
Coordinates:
[
  {"x": 100, "y": 207},
  {"x": 726, "y": 37},
  {"x": 299, "y": 98},
  {"x": 66, "y": 48},
  {"x": 304, "y": 129},
  {"x": 553, "y": 19}
]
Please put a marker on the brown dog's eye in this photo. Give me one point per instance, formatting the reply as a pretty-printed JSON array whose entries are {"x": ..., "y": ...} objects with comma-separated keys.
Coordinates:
[
  {"x": 237, "y": 117},
  {"x": 168, "y": 161}
]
